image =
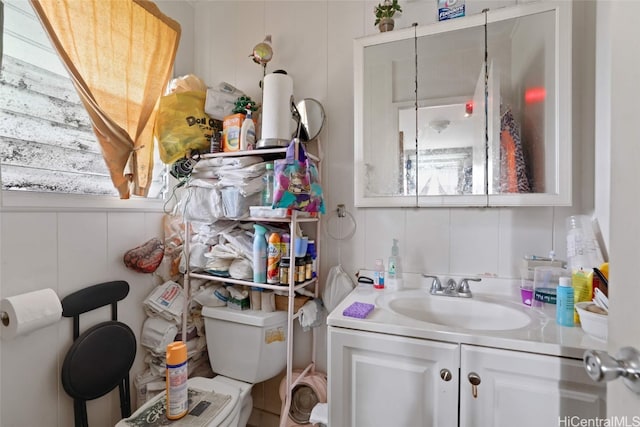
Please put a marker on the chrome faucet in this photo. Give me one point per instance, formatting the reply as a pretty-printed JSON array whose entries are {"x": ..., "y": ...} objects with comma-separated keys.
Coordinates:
[
  {"x": 452, "y": 289},
  {"x": 436, "y": 285}
]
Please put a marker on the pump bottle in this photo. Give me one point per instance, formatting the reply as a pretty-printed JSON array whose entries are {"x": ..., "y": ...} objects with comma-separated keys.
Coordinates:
[{"x": 394, "y": 261}]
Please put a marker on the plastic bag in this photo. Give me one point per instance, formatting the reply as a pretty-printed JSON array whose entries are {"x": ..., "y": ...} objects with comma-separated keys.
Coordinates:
[
  {"x": 182, "y": 125},
  {"x": 337, "y": 287},
  {"x": 297, "y": 183}
]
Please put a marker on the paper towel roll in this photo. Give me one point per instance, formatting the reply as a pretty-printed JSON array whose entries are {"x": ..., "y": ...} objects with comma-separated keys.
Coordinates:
[
  {"x": 276, "y": 108},
  {"x": 25, "y": 313}
]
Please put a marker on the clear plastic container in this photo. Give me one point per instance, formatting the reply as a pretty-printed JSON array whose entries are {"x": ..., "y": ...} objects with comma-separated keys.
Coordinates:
[
  {"x": 267, "y": 192},
  {"x": 583, "y": 249},
  {"x": 545, "y": 284}
]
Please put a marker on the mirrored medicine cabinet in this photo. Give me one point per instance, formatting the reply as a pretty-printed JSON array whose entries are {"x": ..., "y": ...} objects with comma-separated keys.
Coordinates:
[{"x": 474, "y": 111}]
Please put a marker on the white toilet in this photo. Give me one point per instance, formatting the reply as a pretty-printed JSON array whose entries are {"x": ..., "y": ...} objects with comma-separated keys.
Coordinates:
[{"x": 245, "y": 347}]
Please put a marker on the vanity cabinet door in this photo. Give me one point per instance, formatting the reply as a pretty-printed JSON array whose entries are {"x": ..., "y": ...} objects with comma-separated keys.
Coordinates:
[
  {"x": 378, "y": 380},
  {"x": 526, "y": 390}
]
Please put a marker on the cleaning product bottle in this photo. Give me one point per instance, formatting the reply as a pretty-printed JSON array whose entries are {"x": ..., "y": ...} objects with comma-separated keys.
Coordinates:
[
  {"x": 248, "y": 132},
  {"x": 581, "y": 290},
  {"x": 284, "y": 245},
  {"x": 564, "y": 302},
  {"x": 267, "y": 191},
  {"x": 259, "y": 254},
  {"x": 378, "y": 274},
  {"x": 273, "y": 259},
  {"x": 176, "y": 377},
  {"x": 394, "y": 260}
]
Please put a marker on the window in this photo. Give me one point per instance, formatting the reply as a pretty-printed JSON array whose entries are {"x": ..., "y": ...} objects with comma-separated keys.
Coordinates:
[{"x": 47, "y": 143}]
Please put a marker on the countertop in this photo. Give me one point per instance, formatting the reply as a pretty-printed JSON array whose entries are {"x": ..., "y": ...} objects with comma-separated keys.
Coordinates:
[{"x": 542, "y": 335}]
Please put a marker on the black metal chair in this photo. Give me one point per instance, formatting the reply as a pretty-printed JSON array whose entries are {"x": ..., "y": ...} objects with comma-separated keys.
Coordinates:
[{"x": 100, "y": 358}]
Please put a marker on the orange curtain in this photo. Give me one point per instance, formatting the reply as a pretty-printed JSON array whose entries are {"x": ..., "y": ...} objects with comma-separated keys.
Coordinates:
[{"x": 120, "y": 55}]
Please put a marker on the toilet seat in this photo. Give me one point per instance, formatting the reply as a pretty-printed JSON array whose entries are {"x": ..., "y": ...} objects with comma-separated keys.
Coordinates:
[{"x": 228, "y": 415}]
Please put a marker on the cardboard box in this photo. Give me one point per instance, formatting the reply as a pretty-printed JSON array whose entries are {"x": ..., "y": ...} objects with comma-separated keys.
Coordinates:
[
  {"x": 231, "y": 126},
  {"x": 282, "y": 302},
  {"x": 449, "y": 9},
  {"x": 231, "y": 132}
]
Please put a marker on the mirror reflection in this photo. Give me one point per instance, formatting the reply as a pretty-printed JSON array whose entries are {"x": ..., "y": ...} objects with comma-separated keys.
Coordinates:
[
  {"x": 521, "y": 54},
  {"x": 439, "y": 121}
]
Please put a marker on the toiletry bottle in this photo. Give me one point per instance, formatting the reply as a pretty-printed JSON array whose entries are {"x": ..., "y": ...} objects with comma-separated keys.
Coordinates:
[
  {"x": 311, "y": 249},
  {"x": 273, "y": 259},
  {"x": 176, "y": 377},
  {"x": 581, "y": 290},
  {"x": 564, "y": 303},
  {"x": 284, "y": 245},
  {"x": 248, "y": 132},
  {"x": 267, "y": 191},
  {"x": 394, "y": 260},
  {"x": 378, "y": 274},
  {"x": 259, "y": 254}
]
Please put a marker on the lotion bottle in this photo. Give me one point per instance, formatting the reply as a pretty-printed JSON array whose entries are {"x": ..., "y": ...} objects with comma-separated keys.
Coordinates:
[
  {"x": 564, "y": 302},
  {"x": 394, "y": 261}
]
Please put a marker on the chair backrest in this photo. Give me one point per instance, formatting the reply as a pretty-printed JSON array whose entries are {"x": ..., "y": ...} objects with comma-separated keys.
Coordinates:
[{"x": 100, "y": 358}]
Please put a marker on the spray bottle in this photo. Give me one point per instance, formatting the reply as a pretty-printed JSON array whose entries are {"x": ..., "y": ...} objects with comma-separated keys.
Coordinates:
[
  {"x": 176, "y": 377},
  {"x": 248, "y": 132},
  {"x": 273, "y": 259},
  {"x": 259, "y": 254}
]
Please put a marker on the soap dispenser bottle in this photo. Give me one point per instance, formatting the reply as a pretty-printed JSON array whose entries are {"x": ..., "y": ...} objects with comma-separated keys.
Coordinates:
[
  {"x": 394, "y": 261},
  {"x": 248, "y": 132}
]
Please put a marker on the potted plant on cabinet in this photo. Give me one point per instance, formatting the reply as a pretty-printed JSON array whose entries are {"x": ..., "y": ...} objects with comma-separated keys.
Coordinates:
[{"x": 384, "y": 14}]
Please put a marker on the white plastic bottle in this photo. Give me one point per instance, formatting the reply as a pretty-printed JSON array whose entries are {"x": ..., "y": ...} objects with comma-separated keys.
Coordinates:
[
  {"x": 248, "y": 133},
  {"x": 378, "y": 274},
  {"x": 259, "y": 254}
]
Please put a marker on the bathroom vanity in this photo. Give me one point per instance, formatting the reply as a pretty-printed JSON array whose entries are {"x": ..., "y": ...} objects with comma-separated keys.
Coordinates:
[{"x": 394, "y": 368}]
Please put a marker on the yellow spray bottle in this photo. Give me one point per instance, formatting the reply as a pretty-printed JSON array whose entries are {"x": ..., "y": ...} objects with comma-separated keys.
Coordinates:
[{"x": 176, "y": 377}]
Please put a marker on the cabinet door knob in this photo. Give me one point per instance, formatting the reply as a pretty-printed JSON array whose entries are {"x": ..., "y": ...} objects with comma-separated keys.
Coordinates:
[
  {"x": 445, "y": 374},
  {"x": 603, "y": 367},
  {"x": 474, "y": 379}
]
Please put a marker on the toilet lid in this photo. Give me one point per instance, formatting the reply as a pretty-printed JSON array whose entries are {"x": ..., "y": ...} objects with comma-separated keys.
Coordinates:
[
  {"x": 203, "y": 385},
  {"x": 220, "y": 387}
]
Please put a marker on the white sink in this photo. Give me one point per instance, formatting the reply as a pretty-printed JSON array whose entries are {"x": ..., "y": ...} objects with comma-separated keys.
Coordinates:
[{"x": 476, "y": 313}]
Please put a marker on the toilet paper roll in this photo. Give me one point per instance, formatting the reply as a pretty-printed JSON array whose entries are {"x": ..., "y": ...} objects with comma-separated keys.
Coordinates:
[
  {"x": 276, "y": 107},
  {"x": 25, "y": 313}
]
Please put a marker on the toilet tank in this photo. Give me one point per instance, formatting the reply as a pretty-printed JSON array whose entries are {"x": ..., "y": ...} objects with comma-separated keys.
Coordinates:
[{"x": 246, "y": 345}]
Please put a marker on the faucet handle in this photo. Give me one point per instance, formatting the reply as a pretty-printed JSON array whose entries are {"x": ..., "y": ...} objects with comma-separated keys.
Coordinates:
[
  {"x": 463, "y": 287},
  {"x": 436, "y": 285}
]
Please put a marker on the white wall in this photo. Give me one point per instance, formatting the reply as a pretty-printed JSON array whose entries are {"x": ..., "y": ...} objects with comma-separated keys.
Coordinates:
[
  {"x": 312, "y": 40},
  {"x": 66, "y": 250}
]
